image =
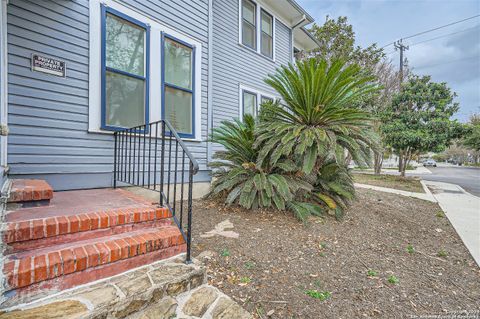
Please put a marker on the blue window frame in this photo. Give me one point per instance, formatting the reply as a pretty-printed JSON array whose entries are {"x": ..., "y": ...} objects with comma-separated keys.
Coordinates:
[
  {"x": 178, "y": 85},
  {"x": 121, "y": 84}
]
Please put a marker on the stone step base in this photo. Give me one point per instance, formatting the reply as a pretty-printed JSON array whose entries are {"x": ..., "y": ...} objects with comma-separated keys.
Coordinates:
[
  {"x": 32, "y": 267},
  {"x": 121, "y": 296},
  {"x": 167, "y": 289}
]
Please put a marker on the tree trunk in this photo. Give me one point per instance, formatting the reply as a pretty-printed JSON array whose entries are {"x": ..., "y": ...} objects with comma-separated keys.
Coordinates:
[
  {"x": 400, "y": 161},
  {"x": 378, "y": 161},
  {"x": 405, "y": 160}
]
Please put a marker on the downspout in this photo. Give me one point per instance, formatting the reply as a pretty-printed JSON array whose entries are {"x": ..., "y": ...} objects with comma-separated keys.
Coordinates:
[{"x": 210, "y": 80}]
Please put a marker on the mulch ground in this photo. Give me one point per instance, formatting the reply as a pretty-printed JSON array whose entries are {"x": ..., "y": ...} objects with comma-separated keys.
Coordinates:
[
  {"x": 280, "y": 268},
  {"x": 410, "y": 184}
]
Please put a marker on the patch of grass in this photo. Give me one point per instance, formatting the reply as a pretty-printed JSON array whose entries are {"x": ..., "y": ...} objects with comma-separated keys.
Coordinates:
[
  {"x": 393, "y": 280},
  {"x": 442, "y": 253},
  {"x": 320, "y": 295},
  {"x": 390, "y": 181},
  {"x": 249, "y": 265},
  {"x": 225, "y": 252},
  {"x": 321, "y": 254},
  {"x": 245, "y": 280},
  {"x": 410, "y": 249},
  {"x": 323, "y": 245},
  {"x": 440, "y": 214},
  {"x": 371, "y": 273}
]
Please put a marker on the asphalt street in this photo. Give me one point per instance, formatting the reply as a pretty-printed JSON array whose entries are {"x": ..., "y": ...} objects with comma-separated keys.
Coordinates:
[{"x": 466, "y": 177}]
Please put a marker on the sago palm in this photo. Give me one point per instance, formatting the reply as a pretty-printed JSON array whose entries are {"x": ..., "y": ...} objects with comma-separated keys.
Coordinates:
[
  {"x": 316, "y": 114},
  {"x": 241, "y": 180},
  {"x": 315, "y": 125}
]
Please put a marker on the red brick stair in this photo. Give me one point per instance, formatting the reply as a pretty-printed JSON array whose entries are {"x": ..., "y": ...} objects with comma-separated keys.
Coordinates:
[
  {"x": 82, "y": 236},
  {"x": 30, "y": 190}
]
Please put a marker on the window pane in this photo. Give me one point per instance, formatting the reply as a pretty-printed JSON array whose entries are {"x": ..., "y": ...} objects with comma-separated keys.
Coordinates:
[
  {"x": 248, "y": 35},
  {"x": 178, "y": 64},
  {"x": 267, "y": 45},
  {"x": 248, "y": 11},
  {"x": 178, "y": 109},
  {"x": 124, "y": 45},
  {"x": 125, "y": 100},
  {"x": 267, "y": 23},
  {"x": 249, "y": 103}
]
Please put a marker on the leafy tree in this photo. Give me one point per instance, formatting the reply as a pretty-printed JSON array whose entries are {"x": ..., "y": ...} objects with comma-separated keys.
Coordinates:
[
  {"x": 337, "y": 40},
  {"x": 418, "y": 119},
  {"x": 472, "y": 138}
]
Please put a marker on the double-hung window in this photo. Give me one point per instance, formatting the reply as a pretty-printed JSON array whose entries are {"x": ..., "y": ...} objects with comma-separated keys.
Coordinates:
[
  {"x": 249, "y": 24},
  {"x": 125, "y": 46},
  {"x": 257, "y": 28},
  {"x": 178, "y": 85},
  {"x": 267, "y": 34},
  {"x": 252, "y": 101}
]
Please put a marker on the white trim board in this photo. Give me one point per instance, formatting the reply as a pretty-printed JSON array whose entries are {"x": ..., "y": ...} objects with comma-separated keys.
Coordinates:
[{"x": 155, "y": 98}]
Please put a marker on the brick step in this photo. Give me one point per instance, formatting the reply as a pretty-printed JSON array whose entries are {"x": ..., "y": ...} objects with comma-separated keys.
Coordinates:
[
  {"x": 36, "y": 233},
  {"x": 30, "y": 191},
  {"x": 92, "y": 259}
]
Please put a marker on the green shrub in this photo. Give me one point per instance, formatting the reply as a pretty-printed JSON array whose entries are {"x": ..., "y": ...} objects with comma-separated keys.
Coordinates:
[
  {"x": 244, "y": 182},
  {"x": 293, "y": 157}
]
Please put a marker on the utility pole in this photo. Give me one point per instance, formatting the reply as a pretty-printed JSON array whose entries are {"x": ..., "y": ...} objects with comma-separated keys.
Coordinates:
[{"x": 400, "y": 46}]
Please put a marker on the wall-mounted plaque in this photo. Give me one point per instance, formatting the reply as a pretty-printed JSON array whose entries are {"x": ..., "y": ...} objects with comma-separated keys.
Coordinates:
[{"x": 48, "y": 65}]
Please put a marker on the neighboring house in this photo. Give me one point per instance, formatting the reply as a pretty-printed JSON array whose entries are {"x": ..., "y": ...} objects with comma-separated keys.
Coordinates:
[{"x": 74, "y": 72}]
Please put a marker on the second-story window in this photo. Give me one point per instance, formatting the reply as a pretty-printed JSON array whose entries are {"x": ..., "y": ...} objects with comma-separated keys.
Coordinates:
[
  {"x": 266, "y": 34},
  {"x": 249, "y": 24}
]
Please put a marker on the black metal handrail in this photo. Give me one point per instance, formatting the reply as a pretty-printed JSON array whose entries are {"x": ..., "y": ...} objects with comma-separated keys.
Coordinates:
[{"x": 140, "y": 159}]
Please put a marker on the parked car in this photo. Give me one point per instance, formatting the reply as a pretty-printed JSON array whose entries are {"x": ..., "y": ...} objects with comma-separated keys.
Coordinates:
[{"x": 430, "y": 162}]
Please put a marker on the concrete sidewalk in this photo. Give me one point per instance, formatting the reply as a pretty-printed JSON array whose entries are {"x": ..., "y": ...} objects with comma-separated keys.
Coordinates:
[
  {"x": 425, "y": 196},
  {"x": 462, "y": 210}
]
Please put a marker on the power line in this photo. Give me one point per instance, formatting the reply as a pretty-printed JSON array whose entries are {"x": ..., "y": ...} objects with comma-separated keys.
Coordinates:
[
  {"x": 434, "y": 29},
  {"x": 441, "y": 27},
  {"x": 443, "y": 36}
]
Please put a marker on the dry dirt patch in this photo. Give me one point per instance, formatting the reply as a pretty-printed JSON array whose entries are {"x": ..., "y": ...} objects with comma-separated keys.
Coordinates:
[
  {"x": 409, "y": 184},
  {"x": 276, "y": 260}
]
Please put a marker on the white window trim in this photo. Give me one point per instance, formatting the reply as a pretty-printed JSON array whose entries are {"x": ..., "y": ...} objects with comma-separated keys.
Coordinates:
[
  {"x": 258, "y": 28},
  {"x": 155, "y": 98},
  {"x": 259, "y": 93}
]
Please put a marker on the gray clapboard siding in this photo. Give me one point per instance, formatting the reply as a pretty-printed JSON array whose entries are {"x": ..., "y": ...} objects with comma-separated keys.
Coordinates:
[
  {"x": 48, "y": 116},
  {"x": 234, "y": 64}
]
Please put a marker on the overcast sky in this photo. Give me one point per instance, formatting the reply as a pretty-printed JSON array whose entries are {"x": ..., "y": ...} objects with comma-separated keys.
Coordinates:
[{"x": 454, "y": 59}]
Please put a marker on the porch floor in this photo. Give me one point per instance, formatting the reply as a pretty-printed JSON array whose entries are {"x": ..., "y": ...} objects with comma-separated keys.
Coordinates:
[{"x": 75, "y": 202}]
